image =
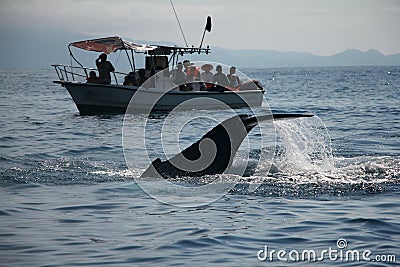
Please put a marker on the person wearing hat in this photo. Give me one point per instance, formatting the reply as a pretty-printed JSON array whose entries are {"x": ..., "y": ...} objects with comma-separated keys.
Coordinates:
[
  {"x": 192, "y": 73},
  {"x": 207, "y": 75},
  {"x": 105, "y": 68}
]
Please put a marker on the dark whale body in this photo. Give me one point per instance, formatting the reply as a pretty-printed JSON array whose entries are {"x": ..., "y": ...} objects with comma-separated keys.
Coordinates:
[{"x": 214, "y": 152}]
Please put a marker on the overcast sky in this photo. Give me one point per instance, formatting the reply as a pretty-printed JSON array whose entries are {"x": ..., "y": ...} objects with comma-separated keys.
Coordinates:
[{"x": 321, "y": 27}]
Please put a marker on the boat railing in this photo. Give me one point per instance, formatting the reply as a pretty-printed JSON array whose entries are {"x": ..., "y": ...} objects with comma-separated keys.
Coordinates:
[{"x": 74, "y": 73}]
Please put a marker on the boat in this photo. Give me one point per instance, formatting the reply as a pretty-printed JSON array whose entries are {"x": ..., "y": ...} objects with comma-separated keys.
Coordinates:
[{"x": 159, "y": 92}]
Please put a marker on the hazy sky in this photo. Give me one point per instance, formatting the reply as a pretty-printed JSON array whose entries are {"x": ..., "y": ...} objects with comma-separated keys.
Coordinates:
[{"x": 322, "y": 27}]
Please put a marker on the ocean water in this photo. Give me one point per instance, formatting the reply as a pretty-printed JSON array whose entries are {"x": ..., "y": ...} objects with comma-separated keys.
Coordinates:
[{"x": 329, "y": 183}]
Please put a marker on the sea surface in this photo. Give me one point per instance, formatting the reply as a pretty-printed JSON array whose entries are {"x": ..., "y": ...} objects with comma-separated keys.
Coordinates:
[{"x": 329, "y": 184}]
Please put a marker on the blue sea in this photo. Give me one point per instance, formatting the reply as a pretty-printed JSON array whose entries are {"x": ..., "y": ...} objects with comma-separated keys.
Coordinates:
[{"x": 330, "y": 184}]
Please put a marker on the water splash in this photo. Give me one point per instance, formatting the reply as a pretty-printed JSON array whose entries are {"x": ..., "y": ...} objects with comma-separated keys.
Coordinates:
[
  {"x": 304, "y": 166},
  {"x": 303, "y": 144},
  {"x": 304, "y": 154}
]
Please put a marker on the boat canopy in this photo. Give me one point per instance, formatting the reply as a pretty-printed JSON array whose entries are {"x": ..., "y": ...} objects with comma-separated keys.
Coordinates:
[{"x": 111, "y": 44}]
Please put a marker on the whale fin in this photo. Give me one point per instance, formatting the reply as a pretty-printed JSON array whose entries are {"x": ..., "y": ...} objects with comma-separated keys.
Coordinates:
[{"x": 214, "y": 152}]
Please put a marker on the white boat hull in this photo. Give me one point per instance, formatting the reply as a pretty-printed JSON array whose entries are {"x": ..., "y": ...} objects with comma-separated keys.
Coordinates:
[{"x": 95, "y": 99}]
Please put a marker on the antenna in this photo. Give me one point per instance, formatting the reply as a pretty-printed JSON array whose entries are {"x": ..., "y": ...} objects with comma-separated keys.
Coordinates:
[{"x": 176, "y": 15}]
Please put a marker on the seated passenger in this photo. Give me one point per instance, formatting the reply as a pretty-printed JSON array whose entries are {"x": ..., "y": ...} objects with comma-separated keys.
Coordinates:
[
  {"x": 92, "y": 77},
  {"x": 186, "y": 65},
  {"x": 130, "y": 79},
  {"x": 220, "y": 78},
  {"x": 193, "y": 73},
  {"x": 234, "y": 81},
  {"x": 178, "y": 76},
  {"x": 193, "y": 78},
  {"x": 142, "y": 76},
  {"x": 207, "y": 76}
]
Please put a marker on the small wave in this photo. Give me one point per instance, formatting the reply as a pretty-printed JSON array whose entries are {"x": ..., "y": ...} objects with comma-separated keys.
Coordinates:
[
  {"x": 63, "y": 171},
  {"x": 351, "y": 177}
]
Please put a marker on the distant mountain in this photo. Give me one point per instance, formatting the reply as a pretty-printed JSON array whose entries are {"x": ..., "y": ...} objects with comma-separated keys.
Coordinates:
[
  {"x": 19, "y": 49},
  {"x": 357, "y": 57},
  {"x": 270, "y": 58}
]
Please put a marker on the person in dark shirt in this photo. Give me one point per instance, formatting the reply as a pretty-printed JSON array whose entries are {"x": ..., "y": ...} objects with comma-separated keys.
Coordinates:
[
  {"x": 130, "y": 80},
  {"x": 92, "y": 77},
  {"x": 142, "y": 76},
  {"x": 178, "y": 76},
  {"x": 105, "y": 68},
  {"x": 220, "y": 78}
]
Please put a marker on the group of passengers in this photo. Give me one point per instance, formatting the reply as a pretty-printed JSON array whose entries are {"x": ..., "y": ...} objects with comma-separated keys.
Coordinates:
[
  {"x": 186, "y": 75},
  {"x": 132, "y": 80},
  {"x": 105, "y": 68}
]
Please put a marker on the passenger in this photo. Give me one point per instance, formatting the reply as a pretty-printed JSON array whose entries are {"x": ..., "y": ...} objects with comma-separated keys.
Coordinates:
[
  {"x": 130, "y": 80},
  {"x": 92, "y": 77},
  {"x": 142, "y": 76},
  {"x": 192, "y": 73},
  {"x": 207, "y": 75},
  {"x": 186, "y": 64},
  {"x": 105, "y": 68},
  {"x": 178, "y": 76},
  {"x": 220, "y": 78},
  {"x": 193, "y": 78},
  {"x": 234, "y": 81}
]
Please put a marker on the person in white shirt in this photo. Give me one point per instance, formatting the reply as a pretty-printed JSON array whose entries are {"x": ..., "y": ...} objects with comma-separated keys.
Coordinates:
[
  {"x": 207, "y": 75},
  {"x": 234, "y": 80}
]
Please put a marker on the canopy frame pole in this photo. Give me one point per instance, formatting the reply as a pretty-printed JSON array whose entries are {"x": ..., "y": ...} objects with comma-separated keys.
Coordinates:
[
  {"x": 115, "y": 77},
  {"x": 127, "y": 55},
  {"x": 72, "y": 56},
  {"x": 174, "y": 58},
  {"x": 133, "y": 61}
]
